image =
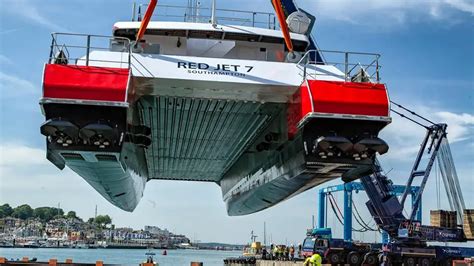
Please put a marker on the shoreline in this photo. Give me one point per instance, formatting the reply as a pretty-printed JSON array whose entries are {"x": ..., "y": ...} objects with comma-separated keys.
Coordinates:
[{"x": 118, "y": 248}]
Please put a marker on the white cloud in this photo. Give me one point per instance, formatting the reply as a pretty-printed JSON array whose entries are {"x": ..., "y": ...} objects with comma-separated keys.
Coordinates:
[
  {"x": 389, "y": 12},
  {"x": 28, "y": 11},
  {"x": 404, "y": 136},
  {"x": 463, "y": 5},
  {"x": 11, "y": 86},
  {"x": 27, "y": 177},
  {"x": 460, "y": 126},
  {"x": 8, "y": 31},
  {"x": 5, "y": 60},
  {"x": 17, "y": 155}
]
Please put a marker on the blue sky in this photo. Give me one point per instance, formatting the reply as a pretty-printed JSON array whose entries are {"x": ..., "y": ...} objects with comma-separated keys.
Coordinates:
[{"x": 427, "y": 52}]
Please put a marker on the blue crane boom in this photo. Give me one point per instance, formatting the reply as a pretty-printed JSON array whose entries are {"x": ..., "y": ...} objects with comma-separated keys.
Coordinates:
[
  {"x": 387, "y": 210},
  {"x": 409, "y": 239}
]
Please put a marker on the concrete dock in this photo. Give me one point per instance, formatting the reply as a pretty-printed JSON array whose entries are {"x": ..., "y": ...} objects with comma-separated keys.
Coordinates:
[{"x": 273, "y": 263}]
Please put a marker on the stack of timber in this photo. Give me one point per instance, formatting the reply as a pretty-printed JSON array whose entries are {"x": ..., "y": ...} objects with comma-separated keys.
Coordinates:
[
  {"x": 442, "y": 218},
  {"x": 452, "y": 219},
  {"x": 468, "y": 224},
  {"x": 438, "y": 218}
]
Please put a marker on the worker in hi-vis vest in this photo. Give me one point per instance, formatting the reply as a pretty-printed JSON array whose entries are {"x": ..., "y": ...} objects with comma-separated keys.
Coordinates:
[{"x": 314, "y": 260}]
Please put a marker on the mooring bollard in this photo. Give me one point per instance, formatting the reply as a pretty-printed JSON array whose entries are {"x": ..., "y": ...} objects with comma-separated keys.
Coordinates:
[
  {"x": 99, "y": 263},
  {"x": 68, "y": 261},
  {"x": 53, "y": 262},
  {"x": 3, "y": 260},
  {"x": 197, "y": 263},
  {"x": 24, "y": 259}
]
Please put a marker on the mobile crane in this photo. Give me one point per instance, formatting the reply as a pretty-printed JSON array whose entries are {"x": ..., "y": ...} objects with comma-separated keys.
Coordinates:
[{"x": 409, "y": 237}]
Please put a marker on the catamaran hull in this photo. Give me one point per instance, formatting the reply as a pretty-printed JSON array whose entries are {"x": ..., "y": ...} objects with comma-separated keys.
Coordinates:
[{"x": 260, "y": 131}]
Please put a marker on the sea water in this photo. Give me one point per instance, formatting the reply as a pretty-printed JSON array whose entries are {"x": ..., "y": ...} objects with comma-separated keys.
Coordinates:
[{"x": 122, "y": 256}]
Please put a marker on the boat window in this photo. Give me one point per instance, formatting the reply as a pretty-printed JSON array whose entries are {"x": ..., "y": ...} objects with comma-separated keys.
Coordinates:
[
  {"x": 210, "y": 48},
  {"x": 299, "y": 45}
]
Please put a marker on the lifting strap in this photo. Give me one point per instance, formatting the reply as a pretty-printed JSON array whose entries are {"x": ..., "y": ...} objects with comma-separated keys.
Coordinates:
[
  {"x": 284, "y": 27},
  {"x": 146, "y": 19}
]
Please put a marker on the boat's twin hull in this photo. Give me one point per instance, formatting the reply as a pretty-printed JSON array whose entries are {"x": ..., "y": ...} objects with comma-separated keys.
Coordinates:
[{"x": 118, "y": 131}]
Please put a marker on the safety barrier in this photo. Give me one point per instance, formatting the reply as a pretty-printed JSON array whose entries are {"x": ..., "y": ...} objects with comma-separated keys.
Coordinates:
[
  {"x": 197, "y": 13},
  {"x": 75, "y": 49},
  {"x": 355, "y": 66}
]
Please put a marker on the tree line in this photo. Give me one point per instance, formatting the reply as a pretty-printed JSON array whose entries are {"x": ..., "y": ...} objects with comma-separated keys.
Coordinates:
[{"x": 45, "y": 214}]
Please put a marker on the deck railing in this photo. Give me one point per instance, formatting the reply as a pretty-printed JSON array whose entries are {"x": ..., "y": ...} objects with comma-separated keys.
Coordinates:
[
  {"x": 203, "y": 15},
  {"x": 75, "y": 49},
  {"x": 353, "y": 65}
]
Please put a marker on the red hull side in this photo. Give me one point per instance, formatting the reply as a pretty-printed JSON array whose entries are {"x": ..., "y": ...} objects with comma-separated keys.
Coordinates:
[
  {"x": 85, "y": 83},
  {"x": 368, "y": 99},
  {"x": 337, "y": 98}
]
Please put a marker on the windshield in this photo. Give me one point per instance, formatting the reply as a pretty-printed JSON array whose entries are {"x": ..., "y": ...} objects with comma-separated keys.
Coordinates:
[
  {"x": 322, "y": 243},
  {"x": 308, "y": 243}
]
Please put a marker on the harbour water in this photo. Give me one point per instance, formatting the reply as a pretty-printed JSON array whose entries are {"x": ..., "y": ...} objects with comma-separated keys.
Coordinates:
[{"x": 122, "y": 256}]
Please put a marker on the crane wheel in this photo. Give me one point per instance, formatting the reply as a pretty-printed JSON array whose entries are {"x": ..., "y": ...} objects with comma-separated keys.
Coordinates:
[
  {"x": 387, "y": 260},
  {"x": 424, "y": 262},
  {"x": 334, "y": 258},
  {"x": 370, "y": 259},
  {"x": 409, "y": 261},
  {"x": 354, "y": 258}
]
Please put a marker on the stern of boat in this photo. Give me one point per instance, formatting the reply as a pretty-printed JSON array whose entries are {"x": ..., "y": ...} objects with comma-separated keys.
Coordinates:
[{"x": 89, "y": 126}]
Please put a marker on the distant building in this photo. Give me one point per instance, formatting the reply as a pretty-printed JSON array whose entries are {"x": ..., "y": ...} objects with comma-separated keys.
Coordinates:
[
  {"x": 67, "y": 232},
  {"x": 155, "y": 230}
]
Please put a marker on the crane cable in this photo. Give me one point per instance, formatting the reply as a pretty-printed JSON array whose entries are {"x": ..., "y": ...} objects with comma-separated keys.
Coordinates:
[
  {"x": 411, "y": 112},
  {"x": 334, "y": 206},
  {"x": 335, "y": 203},
  {"x": 334, "y": 209},
  {"x": 438, "y": 187},
  {"x": 361, "y": 221}
]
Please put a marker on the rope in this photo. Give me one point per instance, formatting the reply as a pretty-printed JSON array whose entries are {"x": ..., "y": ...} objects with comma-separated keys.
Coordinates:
[
  {"x": 334, "y": 210},
  {"x": 338, "y": 209},
  {"x": 438, "y": 187},
  {"x": 413, "y": 113},
  {"x": 450, "y": 179},
  {"x": 362, "y": 222},
  {"x": 335, "y": 207},
  {"x": 404, "y": 116},
  {"x": 364, "y": 229}
]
